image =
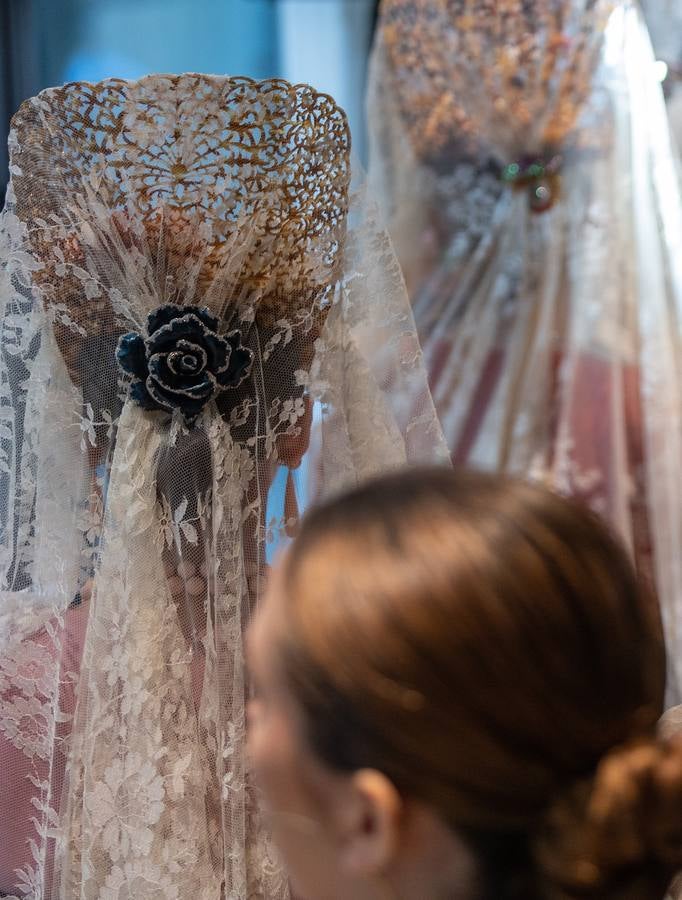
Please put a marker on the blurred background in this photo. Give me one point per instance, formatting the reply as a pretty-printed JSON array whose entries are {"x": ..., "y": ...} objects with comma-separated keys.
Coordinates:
[{"x": 48, "y": 42}]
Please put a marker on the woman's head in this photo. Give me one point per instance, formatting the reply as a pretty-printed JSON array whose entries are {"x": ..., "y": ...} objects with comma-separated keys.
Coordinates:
[{"x": 455, "y": 667}]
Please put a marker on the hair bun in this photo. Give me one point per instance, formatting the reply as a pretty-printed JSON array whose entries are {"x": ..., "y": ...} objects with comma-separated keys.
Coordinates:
[{"x": 623, "y": 826}]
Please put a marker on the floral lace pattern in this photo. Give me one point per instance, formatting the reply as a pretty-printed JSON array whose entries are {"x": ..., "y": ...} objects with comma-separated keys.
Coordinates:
[{"x": 135, "y": 540}]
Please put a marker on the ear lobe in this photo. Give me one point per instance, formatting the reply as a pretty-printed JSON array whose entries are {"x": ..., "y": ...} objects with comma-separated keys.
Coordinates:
[
  {"x": 371, "y": 825},
  {"x": 291, "y": 448}
]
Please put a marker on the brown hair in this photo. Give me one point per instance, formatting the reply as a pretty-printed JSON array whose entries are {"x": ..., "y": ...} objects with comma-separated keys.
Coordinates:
[{"x": 486, "y": 644}]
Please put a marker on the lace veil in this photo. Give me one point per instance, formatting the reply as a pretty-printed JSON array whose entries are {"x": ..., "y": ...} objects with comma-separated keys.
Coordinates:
[
  {"x": 524, "y": 161},
  {"x": 203, "y": 328}
]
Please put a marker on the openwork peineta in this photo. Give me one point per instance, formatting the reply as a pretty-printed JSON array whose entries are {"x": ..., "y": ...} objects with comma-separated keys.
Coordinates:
[
  {"x": 501, "y": 80},
  {"x": 221, "y": 189}
]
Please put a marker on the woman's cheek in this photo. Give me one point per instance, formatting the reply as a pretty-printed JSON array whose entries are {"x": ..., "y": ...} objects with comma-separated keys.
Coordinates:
[
  {"x": 255, "y": 725},
  {"x": 263, "y": 747}
]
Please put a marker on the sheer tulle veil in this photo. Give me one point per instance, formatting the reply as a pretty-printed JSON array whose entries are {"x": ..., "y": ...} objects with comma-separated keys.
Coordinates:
[
  {"x": 203, "y": 330},
  {"x": 526, "y": 168}
]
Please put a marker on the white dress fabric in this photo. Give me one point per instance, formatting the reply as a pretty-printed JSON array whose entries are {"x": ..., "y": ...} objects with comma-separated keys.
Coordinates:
[
  {"x": 524, "y": 159},
  {"x": 195, "y": 298}
]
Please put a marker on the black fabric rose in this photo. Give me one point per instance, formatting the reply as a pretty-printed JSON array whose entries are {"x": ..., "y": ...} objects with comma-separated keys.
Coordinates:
[{"x": 183, "y": 362}]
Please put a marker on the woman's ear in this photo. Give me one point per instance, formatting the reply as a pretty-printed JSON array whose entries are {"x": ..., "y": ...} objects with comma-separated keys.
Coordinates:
[{"x": 369, "y": 825}]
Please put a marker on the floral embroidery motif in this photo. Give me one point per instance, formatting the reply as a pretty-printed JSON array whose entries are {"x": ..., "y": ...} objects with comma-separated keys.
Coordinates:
[
  {"x": 183, "y": 362},
  {"x": 136, "y": 878},
  {"x": 26, "y": 725},
  {"x": 137, "y": 777},
  {"x": 249, "y": 208}
]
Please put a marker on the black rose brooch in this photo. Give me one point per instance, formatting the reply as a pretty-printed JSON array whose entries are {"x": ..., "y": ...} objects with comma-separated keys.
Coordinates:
[{"x": 182, "y": 363}]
